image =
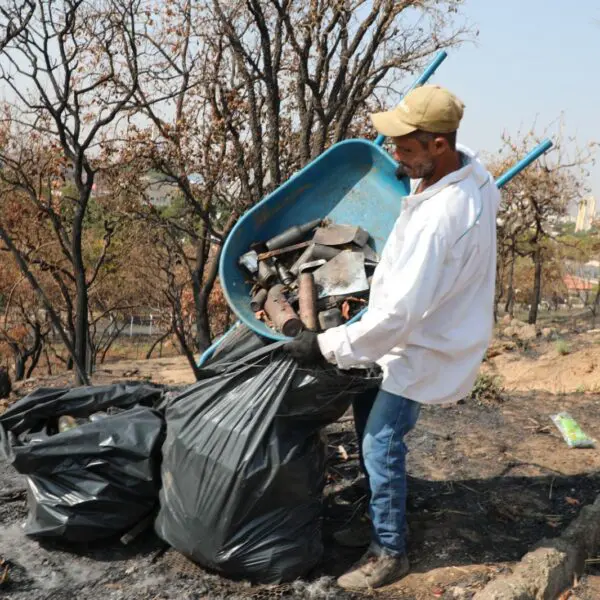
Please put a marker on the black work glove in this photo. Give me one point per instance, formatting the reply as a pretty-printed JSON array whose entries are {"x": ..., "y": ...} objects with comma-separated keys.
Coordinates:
[{"x": 304, "y": 347}]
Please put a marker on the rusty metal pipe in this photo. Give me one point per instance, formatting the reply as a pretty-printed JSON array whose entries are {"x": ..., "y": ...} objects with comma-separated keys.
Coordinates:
[
  {"x": 306, "y": 256},
  {"x": 280, "y": 251},
  {"x": 281, "y": 313},
  {"x": 267, "y": 275},
  {"x": 307, "y": 299},
  {"x": 292, "y": 235},
  {"x": 284, "y": 275},
  {"x": 258, "y": 300}
]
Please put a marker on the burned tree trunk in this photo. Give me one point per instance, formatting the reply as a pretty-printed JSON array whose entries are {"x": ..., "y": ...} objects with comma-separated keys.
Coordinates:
[
  {"x": 537, "y": 286},
  {"x": 509, "y": 306},
  {"x": 5, "y": 383}
]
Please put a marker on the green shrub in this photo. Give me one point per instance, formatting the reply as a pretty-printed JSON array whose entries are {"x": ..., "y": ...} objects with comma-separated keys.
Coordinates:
[{"x": 487, "y": 389}]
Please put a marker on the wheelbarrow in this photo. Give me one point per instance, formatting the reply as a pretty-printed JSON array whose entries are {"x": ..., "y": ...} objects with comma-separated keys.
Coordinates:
[{"x": 353, "y": 182}]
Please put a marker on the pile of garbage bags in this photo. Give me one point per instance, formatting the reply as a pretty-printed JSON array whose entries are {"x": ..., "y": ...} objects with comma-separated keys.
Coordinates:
[
  {"x": 92, "y": 481},
  {"x": 235, "y": 483},
  {"x": 244, "y": 461}
]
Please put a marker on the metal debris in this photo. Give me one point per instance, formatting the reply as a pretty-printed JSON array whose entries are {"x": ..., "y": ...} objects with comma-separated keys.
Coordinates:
[
  {"x": 312, "y": 265},
  {"x": 370, "y": 254},
  {"x": 249, "y": 261},
  {"x": 307, "y": 298},
  {"x": 309, "y": 279},
  {"x": 344, "y": 274},
  {"x": 281, "y": 313},
  {"x": 338, "y": 235},
  {"x": 286, "y": 250},
  {"x": 330, "y": 318},
  {"x": 258, "y": 300},
  {"x": 292, "y": 235},
  {"x": 284, "y": 275},
  {"x": 314, "y": 252},
  {"x": 267, "y": 275}
]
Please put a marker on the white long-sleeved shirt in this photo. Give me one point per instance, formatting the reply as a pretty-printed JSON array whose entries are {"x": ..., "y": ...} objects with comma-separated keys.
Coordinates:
[{"x": 430, "y": 314}]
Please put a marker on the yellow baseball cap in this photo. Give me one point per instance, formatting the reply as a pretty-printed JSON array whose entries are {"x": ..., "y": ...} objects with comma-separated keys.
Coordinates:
[{"x": 429, "y": 108}]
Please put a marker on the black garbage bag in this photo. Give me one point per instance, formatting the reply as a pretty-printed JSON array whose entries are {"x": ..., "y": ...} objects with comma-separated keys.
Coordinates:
[
  {"x": 244, "y": 462},
  {"x": 96, "y": 480}
]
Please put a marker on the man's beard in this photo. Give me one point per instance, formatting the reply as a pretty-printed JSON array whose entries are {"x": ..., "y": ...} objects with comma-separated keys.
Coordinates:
[
  {"x": 400, "y": 172},
  {"x": 420, "y": 171}
]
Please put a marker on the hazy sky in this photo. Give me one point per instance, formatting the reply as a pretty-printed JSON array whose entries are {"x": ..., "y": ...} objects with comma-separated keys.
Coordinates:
[{"x": 533, "y": 59}]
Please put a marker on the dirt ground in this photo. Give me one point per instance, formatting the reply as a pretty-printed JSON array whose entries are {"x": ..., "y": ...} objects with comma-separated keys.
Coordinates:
[
  {"x": 486, "y": 483},
  {"x": 562, "y": 366}
]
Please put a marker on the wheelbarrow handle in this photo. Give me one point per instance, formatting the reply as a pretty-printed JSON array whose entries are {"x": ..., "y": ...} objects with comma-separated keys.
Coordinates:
[
  {"x": 427, "y": 73},
  {"x": 524, "y": 163}
]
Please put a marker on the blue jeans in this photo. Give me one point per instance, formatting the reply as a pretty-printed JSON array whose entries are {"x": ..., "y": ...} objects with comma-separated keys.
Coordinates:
[{"x": 382, "y": 420}]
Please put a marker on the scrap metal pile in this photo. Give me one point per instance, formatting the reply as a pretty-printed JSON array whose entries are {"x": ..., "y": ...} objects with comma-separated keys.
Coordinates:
[{"x": 312, "y": 276}]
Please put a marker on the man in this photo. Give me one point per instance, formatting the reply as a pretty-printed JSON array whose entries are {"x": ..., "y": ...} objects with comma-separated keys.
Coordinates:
[{"x": 430, "y": 315}]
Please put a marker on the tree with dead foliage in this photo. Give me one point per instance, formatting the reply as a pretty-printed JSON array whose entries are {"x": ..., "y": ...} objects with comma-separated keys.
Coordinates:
[
  {"x": 66, "y": 72},
  {"x": 24, "y": 324},
  {"x": 239, "y": 95},
  {"x": 15, "y": 16},
  {"x": 532, "y": 204}
]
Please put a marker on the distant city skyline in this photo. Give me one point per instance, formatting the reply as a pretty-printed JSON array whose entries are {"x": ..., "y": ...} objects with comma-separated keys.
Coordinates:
[{"x": 586, "y": 212}]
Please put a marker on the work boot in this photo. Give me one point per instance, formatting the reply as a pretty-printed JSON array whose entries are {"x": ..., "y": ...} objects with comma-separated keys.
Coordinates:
[
  {"x": 357, "y": 535},
  {"x": 374, "y": 571}
]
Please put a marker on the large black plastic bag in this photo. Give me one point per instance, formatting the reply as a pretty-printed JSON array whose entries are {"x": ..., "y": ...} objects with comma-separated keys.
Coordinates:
[
  {"x": 243, "y": 461},
  {"x": 96, "y": 480}
]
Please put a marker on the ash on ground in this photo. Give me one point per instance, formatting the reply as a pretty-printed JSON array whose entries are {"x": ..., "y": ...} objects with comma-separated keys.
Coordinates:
[{"x": 485, "y": 484}]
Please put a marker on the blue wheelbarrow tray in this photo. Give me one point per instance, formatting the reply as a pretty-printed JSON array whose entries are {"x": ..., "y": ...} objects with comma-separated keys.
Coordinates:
[{"x": 354, "y": 182}]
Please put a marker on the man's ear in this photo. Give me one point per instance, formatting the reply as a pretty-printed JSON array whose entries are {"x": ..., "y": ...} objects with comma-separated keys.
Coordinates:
[{"x": 440, "y": 146}]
